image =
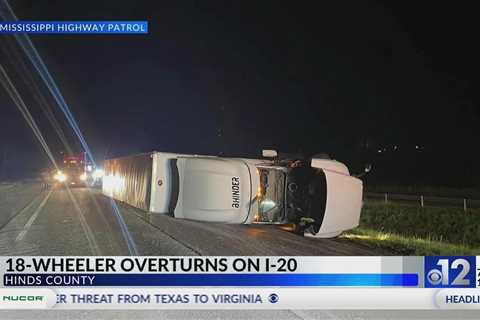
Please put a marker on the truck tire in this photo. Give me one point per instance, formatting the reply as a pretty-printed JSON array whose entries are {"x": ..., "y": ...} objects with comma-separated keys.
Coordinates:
[{"x": 299, "y": 229}]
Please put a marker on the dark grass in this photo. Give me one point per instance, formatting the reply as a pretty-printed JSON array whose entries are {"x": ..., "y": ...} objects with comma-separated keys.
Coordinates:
[{"x": 412, "y": 230}]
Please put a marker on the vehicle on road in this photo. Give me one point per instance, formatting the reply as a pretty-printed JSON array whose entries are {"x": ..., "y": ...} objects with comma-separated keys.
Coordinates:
[
  {"x": 73, "y": 172},
  {"x": 318, "y": 195}
]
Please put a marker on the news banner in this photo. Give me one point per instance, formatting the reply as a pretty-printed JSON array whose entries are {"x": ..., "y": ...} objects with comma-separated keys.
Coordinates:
[{"x": 240, "y": 282}]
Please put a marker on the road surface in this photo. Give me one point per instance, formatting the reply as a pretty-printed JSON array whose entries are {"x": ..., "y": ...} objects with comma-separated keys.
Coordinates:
[
  {"x": 82, "y": 221},
  {"x": 54, "y": 222}
]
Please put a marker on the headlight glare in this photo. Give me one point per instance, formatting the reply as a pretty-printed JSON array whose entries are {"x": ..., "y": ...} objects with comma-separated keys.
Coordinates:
[{"x": 60, "y": 176}]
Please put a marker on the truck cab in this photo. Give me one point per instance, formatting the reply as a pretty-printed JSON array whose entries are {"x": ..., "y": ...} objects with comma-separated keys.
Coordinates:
[
  {"x": 317, "y": 195},
  {"x": 72, "y": 172}
]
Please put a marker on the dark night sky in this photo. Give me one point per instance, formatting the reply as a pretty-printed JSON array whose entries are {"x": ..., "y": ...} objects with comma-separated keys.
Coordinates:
[{"x": 345, "y": 78}]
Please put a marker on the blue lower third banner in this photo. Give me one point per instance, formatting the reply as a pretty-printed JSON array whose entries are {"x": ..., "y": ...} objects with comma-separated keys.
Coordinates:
[
  {"x": 75, "y": 27},
  {"x": 206, "y": 280}
]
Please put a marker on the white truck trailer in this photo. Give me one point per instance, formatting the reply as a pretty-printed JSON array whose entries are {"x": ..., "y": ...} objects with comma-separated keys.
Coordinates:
[{"x": 317, "y": 195}]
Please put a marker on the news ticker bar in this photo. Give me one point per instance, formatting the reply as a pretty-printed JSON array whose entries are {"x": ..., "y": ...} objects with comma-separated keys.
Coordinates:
[
  {"x": 239, "y": 298},
  {"x": 74, "y": 27}
]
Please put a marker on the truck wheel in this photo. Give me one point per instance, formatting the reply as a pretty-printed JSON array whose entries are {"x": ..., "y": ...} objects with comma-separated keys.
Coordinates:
[{"x": 299, "y": 229}]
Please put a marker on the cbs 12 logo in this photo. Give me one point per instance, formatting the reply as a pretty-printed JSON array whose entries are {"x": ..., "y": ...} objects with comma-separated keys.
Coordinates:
[{"x": 450, "y": 272}]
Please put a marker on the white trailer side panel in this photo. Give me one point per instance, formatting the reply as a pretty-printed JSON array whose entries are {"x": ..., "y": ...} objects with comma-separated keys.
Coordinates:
[{"x": 129, "y": 179}]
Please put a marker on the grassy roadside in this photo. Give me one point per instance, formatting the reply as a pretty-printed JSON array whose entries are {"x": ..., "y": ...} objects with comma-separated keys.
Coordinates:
[
  {"x": 406, "y": 245},
  {"x": 410, "y": 230}
]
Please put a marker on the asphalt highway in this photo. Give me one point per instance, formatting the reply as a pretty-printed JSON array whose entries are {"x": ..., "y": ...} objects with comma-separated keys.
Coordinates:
[{"x": 82, "y": 221}]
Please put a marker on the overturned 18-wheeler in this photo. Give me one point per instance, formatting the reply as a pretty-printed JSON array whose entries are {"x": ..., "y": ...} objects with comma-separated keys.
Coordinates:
[{"x": 318, "y": 194}]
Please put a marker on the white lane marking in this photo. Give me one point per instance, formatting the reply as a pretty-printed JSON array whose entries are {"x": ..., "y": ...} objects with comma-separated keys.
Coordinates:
[
  {"x": 30, "y": 221},
  {"x": 94, "y": 248}
]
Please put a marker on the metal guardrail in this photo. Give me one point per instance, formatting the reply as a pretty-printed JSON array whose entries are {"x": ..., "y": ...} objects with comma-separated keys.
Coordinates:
[{"x": 424, "y": 201}]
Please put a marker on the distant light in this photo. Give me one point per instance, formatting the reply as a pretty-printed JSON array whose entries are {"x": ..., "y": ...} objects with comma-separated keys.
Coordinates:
[
  {"x": 98, "y": 173},
  {"x": 379, "y": 150},
  {"x": 395, "y": 147},
  {"x": 83, "y": 176},
  {"x": 60, "y": 176},
  {"x": 89, "y": 167}
]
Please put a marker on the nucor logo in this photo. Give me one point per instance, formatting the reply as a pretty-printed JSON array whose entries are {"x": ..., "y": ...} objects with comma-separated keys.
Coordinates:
[
  {"x": 22, "y": 298},
  {"x": 236, "y": 192}
]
